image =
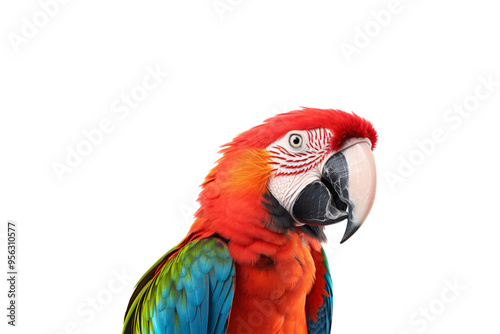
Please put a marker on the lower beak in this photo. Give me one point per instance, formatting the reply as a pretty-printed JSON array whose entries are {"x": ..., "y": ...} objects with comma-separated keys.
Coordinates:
[{"x": 346, "y": 190}]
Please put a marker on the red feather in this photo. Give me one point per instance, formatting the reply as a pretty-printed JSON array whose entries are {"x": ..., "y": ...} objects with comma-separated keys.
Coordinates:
[
  {"x": 343, "y": 125},
  {"x": 279, "y": 276}
]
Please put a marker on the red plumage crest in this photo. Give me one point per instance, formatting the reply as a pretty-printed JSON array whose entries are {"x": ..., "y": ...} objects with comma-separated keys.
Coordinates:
[{"x": 343, "y": 125}]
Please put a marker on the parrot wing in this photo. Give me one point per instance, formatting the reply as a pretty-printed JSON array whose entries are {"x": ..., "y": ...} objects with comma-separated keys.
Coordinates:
[
  {"x": 189, "y": 290},
  {"x": 323, "y": 322}
]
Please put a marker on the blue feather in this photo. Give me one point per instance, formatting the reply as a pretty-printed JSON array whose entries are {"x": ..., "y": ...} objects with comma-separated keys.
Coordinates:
[
  {"x": 323, "y": 323},
  {"x": 192, "y": 292}
]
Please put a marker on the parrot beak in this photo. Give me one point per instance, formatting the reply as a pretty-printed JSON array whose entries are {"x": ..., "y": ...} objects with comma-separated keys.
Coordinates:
[{"x": 346, "y": 190}]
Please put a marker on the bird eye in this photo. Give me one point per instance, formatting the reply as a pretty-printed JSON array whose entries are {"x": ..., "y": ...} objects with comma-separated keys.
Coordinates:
[{"x": 295, "y": 140}]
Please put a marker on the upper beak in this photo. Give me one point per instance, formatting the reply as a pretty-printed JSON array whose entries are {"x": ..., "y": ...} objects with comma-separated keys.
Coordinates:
[{"x": 346, "y": 190}]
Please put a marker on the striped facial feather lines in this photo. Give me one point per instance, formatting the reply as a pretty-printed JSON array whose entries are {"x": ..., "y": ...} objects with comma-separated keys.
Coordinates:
[{"x": 290, "y": 161}]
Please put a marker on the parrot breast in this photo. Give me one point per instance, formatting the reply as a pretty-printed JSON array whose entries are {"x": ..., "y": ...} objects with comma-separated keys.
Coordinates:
[{"x": 270, "y": 296}]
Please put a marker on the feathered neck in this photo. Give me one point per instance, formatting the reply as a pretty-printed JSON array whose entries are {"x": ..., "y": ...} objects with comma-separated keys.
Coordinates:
[{"x": 235, "y": 204}]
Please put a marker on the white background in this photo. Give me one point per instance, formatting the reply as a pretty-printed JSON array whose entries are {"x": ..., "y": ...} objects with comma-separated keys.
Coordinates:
[{"x": 130, "y": 200}]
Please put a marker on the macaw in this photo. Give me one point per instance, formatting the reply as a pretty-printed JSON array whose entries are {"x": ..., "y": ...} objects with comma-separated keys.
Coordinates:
[{"x": 252, "y": 261}]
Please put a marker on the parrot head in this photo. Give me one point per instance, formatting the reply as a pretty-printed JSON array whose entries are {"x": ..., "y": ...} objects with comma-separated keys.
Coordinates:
[{"x": 298, "y": 171}]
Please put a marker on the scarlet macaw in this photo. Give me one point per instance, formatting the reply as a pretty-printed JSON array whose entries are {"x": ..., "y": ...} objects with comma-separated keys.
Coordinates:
[{"x": 252, "y": 261}]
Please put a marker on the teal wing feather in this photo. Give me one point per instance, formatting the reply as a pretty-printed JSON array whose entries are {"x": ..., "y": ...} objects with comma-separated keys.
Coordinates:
[{"x": 188, "y": 292}]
